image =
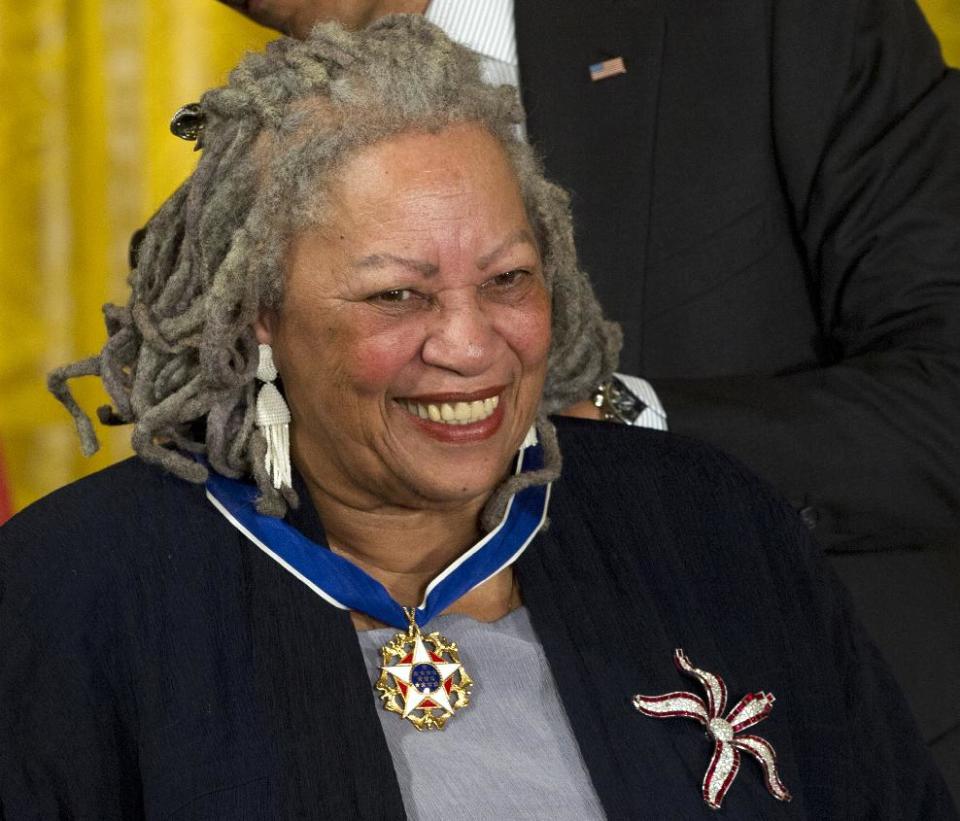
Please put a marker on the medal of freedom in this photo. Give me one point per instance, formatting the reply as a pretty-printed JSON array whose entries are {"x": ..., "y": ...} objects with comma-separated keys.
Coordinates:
[
  {"x": 425, "y": 685},
  {"x": 421, "y": 677}
]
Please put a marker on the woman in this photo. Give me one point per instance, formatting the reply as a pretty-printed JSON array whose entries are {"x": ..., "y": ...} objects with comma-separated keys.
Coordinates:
[{"x": 365, "y": 226}]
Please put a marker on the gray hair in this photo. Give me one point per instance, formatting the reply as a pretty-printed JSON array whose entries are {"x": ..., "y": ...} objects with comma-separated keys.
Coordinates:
[{"x": 181, "y": 356}]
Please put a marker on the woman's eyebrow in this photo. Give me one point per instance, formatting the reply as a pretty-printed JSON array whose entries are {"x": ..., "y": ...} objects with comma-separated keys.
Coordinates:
[
  {"x": 425, "y": 269},
  {"x": 523, "y": 236}
]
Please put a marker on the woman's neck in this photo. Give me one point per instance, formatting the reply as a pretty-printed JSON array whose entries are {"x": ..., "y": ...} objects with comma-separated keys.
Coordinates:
[{"x": 405, "y": 549}]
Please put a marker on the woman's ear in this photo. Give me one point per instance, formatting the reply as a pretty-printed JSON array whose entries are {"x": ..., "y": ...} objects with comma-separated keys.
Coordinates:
[{"x": 263, "y": 326}]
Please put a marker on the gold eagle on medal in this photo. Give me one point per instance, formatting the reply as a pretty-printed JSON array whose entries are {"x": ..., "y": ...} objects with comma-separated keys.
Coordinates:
[{"x": 422, "y": 679}]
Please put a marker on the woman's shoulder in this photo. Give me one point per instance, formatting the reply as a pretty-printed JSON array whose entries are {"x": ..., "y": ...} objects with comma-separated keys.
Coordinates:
[
  {"x": 125, "y": 501},
  {"x": 622, "y": 460},
  {"x": 641, "y": 484},
  {"x": 90, "y": 541}
]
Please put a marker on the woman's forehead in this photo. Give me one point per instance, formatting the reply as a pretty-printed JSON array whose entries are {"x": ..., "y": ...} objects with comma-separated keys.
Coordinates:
[
  {"x": 464, "y": 149},
  {"x": 313, "y": 179},
  {"x": 413, "y": 179},
  {"x": 420, "y": 204}
]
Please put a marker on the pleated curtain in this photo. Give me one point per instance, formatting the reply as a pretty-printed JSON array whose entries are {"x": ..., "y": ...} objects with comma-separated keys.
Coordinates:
[{"x": 86, "y": 156}]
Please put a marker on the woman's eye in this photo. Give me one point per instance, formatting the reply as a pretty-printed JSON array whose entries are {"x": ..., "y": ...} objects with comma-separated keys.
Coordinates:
[
  {"x": 506, "y": 279},
  {"x": 394, "y": 296}
]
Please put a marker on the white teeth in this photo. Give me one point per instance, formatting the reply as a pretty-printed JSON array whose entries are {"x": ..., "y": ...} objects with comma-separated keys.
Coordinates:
[{"x": 455, "y": 413}]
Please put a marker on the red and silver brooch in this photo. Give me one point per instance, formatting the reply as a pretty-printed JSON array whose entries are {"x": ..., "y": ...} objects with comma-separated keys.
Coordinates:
[{"x": 751, "y": 709}]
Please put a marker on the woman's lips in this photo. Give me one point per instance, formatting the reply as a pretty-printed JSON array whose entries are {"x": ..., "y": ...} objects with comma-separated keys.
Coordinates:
[
  {"x": 456, "y": 418},
  {"x": 452, "y": 413}
]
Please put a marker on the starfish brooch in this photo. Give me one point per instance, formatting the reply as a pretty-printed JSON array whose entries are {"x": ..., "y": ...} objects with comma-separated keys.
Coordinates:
[{"x": 751, "y": 709}]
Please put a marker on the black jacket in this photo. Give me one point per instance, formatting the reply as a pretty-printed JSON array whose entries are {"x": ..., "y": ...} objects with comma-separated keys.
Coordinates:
[{"x": 155, "y": 664}]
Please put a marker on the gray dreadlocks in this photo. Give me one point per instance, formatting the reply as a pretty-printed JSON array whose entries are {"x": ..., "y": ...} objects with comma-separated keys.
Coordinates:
[{"x": 181, "y": 356}]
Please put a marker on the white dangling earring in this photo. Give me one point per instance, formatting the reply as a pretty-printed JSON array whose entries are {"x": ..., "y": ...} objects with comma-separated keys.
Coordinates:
[
  {"x": 273, "y": 418},
  {"x": 531, "y": 438}
]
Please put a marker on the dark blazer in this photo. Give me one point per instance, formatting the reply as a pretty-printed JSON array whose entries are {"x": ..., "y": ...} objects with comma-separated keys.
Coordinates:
[
  {"x": 157, "y": 665},
  {"x": 768, "y": 201}
]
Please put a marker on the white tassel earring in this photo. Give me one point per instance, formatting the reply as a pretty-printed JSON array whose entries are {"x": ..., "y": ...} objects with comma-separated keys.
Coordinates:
[
  {"x": 531, "y": 438},
  {"x": 273, "y": 418}
]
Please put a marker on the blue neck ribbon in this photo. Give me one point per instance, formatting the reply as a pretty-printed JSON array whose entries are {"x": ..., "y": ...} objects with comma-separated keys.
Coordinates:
[{"x": 344, "y": 585}]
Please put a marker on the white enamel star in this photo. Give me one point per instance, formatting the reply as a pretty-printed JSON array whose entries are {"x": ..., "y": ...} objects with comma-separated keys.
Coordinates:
[{"x": 413, "y": 698}]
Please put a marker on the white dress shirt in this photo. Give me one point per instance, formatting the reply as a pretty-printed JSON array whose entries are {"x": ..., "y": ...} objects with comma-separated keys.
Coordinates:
[{"x": 486, "y": 28}]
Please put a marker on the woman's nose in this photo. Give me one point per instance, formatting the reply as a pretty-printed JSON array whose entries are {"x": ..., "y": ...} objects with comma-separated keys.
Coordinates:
[{"x": 461, "y": 337}]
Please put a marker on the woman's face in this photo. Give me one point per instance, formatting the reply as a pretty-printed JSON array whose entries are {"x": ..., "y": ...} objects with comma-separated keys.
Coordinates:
[{"x": 413, "y": 335}]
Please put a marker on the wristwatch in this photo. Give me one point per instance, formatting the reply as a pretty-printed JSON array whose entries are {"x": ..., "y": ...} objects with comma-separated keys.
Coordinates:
[{"x": 617, "y": 403}]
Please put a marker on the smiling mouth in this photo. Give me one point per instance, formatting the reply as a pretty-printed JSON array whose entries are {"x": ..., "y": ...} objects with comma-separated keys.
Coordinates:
[{"x": 452, "y": 413}]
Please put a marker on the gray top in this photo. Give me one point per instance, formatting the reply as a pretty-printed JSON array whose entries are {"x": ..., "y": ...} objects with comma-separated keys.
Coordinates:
[{"x": 508, "y": 754}]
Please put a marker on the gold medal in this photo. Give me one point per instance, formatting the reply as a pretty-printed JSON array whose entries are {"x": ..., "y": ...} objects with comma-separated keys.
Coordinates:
[{"x": 421, "y": 677}]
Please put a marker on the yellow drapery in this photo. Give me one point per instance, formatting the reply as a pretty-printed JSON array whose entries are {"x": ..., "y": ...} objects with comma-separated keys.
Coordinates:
[{"x": 86, "y": 156}]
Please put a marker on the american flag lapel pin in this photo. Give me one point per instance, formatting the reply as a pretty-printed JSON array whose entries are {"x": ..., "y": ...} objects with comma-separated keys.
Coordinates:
[{"x": 607, "y": 68}]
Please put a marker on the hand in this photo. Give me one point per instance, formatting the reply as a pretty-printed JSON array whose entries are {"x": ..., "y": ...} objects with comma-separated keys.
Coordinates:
[{"x": 583, "y": 410}]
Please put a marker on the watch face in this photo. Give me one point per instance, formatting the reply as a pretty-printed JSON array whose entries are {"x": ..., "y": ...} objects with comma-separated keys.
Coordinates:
[{"x": 621, "y": 403}]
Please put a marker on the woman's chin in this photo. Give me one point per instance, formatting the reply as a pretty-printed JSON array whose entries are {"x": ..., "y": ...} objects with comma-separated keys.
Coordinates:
[
  {"x": 457, "y": 463},
  {"x": 462, "y": 490}
]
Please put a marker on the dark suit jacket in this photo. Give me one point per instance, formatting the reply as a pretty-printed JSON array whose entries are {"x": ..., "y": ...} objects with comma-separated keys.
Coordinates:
[
  {"x": 768, "y": 201},
  {"x": 155, "y": 664}
]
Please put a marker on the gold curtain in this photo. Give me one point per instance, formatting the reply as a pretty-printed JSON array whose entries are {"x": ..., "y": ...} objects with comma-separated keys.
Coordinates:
[
  {"x": 89, "y": 87},
  {"x": 87, "y": 155},
  {"x": 944, "y": 16}
]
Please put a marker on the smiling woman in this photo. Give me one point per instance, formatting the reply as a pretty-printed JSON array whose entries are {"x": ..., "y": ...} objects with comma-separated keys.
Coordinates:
[
  {"x": 423, "y": 290},
  {"x": 344, "y": 335}
]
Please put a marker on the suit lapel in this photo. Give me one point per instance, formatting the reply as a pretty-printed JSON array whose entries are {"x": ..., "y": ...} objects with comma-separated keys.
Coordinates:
[{"x": 610, "y": 182}]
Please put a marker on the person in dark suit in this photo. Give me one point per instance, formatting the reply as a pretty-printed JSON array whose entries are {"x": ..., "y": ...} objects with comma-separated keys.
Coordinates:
[{"x": 767, "y": 200}]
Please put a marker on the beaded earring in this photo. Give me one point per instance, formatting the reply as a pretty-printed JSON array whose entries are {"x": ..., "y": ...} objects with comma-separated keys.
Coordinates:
[
  {"x": 273, "y": 419},
  {"x": 531, "y": 438}
]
